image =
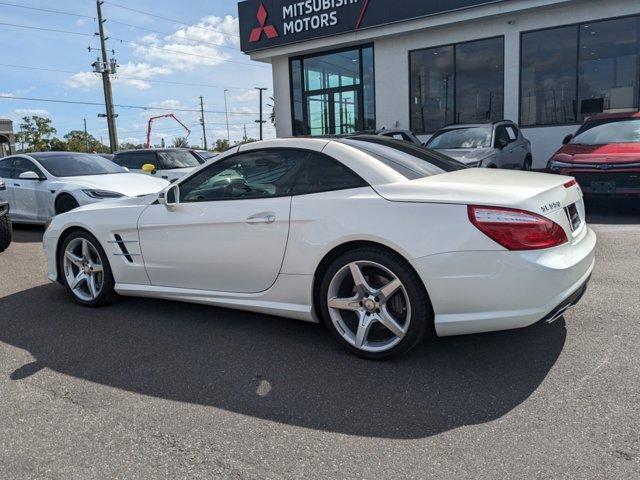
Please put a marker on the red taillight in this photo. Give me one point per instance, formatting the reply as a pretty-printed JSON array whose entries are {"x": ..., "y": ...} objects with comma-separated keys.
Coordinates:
[
  {"x": 517, "y": 229},
  {"x": 571, "y": 183}
]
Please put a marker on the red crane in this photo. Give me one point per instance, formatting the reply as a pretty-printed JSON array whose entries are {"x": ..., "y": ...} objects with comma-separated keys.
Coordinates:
[{"x": 168, "y": 115}]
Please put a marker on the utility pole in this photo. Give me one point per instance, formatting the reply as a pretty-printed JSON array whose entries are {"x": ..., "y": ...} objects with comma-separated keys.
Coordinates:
[
  {"x": 245, "y": 133},
  {"x": 261, "y": 121},
  {"x": 86, "y": 137},
  {"x": 226, "y": 114},
  {"x": 106, "y": 69},
  {"x": 204, "y": 128}
]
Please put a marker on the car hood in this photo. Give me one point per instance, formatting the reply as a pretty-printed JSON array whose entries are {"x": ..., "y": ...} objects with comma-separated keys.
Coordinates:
[
  {"x": 470, "y": 155},
  {"x": 482, "y": 186},
  {"x": 128, "y": 184},
  {"x": 609, "y": 153}
]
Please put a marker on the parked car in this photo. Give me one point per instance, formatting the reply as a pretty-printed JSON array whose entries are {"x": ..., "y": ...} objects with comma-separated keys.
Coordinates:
[
  {"x": 108, "y": 156},
  {"x": 491, "y": 145},
  {"x": 603, "y": 155},
  {"x": 166, "y": 163},
  {"x": 5, "y": 224},
  {"x": 381, "y": 240},
  {"x": 399, "y": 134},
  {"x": 41, "y": 185}
]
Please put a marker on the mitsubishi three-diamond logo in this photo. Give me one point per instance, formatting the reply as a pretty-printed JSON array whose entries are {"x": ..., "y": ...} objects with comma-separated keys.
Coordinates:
[{"x": 269, "y": 30}]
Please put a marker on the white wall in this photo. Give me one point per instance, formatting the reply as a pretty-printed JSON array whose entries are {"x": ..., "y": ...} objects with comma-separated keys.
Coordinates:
[{"x": 393, "y": 43}]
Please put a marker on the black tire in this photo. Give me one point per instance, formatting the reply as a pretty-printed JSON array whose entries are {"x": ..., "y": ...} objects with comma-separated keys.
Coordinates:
[
  {"x": 6, "y": 232},
  {"x": 107, "y": 292},
  {"x": 528, "y": 164},
  {"x": 65, "y": 203},
  {"x": 421, "y": 319}
]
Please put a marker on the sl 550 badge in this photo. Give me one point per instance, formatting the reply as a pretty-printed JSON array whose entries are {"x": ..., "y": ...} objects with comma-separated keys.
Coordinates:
[{"x": 551, "y": 207}]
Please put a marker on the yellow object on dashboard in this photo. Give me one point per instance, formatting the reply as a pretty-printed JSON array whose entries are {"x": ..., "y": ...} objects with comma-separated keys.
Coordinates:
[{"x": 149, "y": 168}]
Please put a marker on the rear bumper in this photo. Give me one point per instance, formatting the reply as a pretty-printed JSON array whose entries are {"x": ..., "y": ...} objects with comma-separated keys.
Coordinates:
[{"x": 484, "y": 291}]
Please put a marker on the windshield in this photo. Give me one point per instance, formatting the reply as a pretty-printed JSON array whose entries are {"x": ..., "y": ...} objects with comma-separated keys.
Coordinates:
[
  {"x": 408, "y": 160},
  {"x": 77, "y": 164},
  {"x": 609, "y": 131},
  {"x": 179, "y": 159},
  {"x": 473, "y": 137}
]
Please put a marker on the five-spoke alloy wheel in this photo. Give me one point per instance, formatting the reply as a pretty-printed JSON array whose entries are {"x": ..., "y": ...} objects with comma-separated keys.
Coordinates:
[
  {"x": 85, "y": 269},
  {"x": 374, "y": 303}
]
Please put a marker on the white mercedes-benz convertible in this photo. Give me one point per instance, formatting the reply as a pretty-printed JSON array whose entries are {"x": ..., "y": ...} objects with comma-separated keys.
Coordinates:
[{"x": 381, "y": 240}]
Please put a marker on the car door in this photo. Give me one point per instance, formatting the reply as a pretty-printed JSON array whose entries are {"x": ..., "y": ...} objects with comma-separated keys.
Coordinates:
[
  {"x": 505, "y": 143},
  {"x": 31, "y": 198},
  {"x": 229, "y": 231},
  {"x": 518, "y": 145}
]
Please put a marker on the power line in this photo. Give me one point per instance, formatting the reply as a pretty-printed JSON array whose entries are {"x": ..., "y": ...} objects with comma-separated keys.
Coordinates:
[
  {"x": 136, "y": 44},
  {"x": 46, "y": 10},
  {"x": 119, "y": 75},
  {"x": 172, "y": 20},
  {"x": 139, "y": 107}
]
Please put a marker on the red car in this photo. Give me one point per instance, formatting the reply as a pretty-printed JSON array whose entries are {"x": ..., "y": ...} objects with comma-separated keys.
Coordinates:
[{"x": 603, "y": 155}]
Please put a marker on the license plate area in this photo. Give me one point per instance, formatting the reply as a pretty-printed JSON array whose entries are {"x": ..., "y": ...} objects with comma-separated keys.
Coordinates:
[
  {"x": 603, "y": 187},
  {"x": 574, "y": 217}
]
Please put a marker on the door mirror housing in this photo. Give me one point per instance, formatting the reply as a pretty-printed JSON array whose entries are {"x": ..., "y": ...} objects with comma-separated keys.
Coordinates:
[
  {"x": 149, "y": 168},
  {"x": 170, "y": 197},
  {"x": 30, "y": 175},
  {"x": 567, "y": 139},
  {"x": 501, "y": 143}
]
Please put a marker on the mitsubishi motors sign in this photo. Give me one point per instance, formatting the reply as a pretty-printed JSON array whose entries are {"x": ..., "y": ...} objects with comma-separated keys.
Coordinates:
[{"x": 271, "y": 23}]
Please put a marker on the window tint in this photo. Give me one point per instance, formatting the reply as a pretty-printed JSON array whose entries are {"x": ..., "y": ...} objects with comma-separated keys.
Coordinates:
[
  {"x": 502, "y": 135},
  {"x": 76, "y": 164},
  {"x": 259, "y": 174},
  {"x": 22, "y": 165},
  {"x": 178, "y": 159},
  {"x": 135, "y": 160},
  {"x": 323, "y": 174},
  {"x": 5, "y": 168},
  {"x": 512, "y": 132},
  {"x": 411, "y": 161},
  {"x": 461, "y": 83},
  {"x": 454, "y": 138}
]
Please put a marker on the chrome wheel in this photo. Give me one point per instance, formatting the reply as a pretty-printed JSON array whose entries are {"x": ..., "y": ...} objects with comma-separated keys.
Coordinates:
[
  {"x": 369, "y": 306},
  {"x": 83, "y": 269}
]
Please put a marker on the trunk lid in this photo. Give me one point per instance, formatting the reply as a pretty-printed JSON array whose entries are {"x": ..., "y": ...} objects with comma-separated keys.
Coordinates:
[{"x": 539, "y": 193}]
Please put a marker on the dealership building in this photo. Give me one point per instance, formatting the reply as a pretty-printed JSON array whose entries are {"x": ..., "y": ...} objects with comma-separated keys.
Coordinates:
[{"x": 341, "y": 66}]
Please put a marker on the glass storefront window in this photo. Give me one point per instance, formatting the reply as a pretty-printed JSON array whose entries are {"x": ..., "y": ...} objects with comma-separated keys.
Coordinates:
[
  {"x": 461, "y": 83},
  {"x": 570, "y": 73},
  {"x": 333, "y": 93}
]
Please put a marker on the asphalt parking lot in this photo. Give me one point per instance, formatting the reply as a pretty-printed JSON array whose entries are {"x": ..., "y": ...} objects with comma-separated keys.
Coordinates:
[{"x": 154, "y": 389}]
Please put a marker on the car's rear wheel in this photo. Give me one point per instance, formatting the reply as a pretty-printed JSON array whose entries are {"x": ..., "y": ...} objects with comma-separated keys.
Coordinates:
[
  {"x": 65, "y": 203},
  {"x": 6, "y": 232},
  {"x": 85, "y": 270},
  {"x": 374, "y": 303}
]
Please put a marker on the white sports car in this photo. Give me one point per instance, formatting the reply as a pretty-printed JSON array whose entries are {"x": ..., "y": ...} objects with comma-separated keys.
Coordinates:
[
  {"x": 41, "y": 185},
  {"x": 380, "y": 240}
]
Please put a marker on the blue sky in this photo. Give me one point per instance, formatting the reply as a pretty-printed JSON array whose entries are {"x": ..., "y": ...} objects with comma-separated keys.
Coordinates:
[{"x": 200, "y": 46}]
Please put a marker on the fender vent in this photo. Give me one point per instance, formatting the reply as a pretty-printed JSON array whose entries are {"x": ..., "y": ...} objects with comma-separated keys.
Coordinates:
[{"x": 123, "y": 248}]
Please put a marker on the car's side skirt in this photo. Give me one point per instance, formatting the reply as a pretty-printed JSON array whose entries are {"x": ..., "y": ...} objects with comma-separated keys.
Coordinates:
[{"x": 289, "y": 297}]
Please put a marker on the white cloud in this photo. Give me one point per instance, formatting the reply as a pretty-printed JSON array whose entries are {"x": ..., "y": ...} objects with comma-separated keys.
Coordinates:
[
  {"x": 27, "y": 112},
  {"x": 126, "y": 73},
  {"x": 81, "y": 22},
  {"x": 247, "y": 96},
  {"x": 194, "y": 46}
]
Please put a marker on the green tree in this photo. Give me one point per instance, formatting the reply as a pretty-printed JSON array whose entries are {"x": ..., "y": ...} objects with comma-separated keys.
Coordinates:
[
  {"x": 131, "y": 146},
  {"x": 35, "y": 132},
  {"x": 57, "y": 145},
  {"x": 180, "y": 142},
  {"x": 222, "y": 144},
  {"x": 78, "y": 141}
]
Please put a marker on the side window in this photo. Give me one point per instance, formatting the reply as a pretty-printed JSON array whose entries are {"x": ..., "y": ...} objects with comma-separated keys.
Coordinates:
[
  {"x": 135, "y": 160},
  {"x": 502, "y": 135},
  {"x": 512, "y": 132},
  {"x": 21, "y": 165},
  {"x": 5, "y": 168},
  {"x": 324, "y": 174},
  {"x": 257, "y": 174}
]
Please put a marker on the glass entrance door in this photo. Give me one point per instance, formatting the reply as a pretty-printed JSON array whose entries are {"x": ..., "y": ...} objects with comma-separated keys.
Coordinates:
[{"x": 334, "y": 111}]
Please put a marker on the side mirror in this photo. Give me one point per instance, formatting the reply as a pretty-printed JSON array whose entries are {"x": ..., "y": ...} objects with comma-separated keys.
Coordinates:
[
  {"x": 567, "y": 139},
  {"x": 29, "y": 176},
  {"x": 149, "y": 168},
  {"x": 501, "y": 143},
  {"x": 170, "y": 197}
]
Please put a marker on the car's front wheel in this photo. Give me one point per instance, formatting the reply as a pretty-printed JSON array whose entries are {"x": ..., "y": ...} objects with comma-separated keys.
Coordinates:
[
  {"x": 85, "y": 270},
  {"x": 374, "y": 303}
]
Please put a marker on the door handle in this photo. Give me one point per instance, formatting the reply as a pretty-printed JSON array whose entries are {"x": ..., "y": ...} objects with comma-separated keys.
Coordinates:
[
  {"x": 264, "y": 218},
  {"x": 16, "y": 184}
]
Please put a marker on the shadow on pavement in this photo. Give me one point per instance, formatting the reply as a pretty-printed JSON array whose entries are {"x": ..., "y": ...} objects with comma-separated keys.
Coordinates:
[
  {"x": 276, "y": 369},
  {"x": 27, "y": 233},
  {"x": 613, "y": 211}
]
